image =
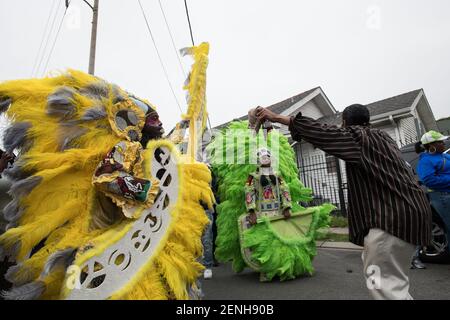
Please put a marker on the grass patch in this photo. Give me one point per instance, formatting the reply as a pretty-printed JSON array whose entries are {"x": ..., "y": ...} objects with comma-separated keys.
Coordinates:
[
  {"x": 338, "y": 222},
  {"x": 334, "y": 237}
]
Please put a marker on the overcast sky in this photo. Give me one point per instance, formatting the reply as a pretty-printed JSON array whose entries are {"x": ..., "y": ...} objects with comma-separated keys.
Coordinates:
[{"x": 262, "y": 51}]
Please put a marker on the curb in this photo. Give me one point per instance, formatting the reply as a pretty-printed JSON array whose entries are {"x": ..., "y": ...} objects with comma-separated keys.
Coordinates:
[{"x": 338, "y": 245}]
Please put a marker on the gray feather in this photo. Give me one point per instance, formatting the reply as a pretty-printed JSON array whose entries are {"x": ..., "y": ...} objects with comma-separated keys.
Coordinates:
[
  {"x": 185, "y": 51},
  {"x": 94, "y": 113},
  {"x": 62, "y": 95},
  {"x": 60, "y": 258},
  {"x": 188, "y": 98},
  {"x": 18, "y": 279},
  {"x": 15, "y": 136},
  {"x": 70, "y": 134},
  {"x": 2, "y": 229},
  {"x": 24, "y": 186},
  {"x": 60, "y": 103},
  {"x": 188, "y": 79},
  {"x": 12, "y": 211},
  {"x": 11, "y": 225},
  {"x": 97, "y": 90},
  {"x": 118, "y": 97},
  {"x": 14, "y": 251},
  {"x": 4, "y": 104},
  {"x": 30, "y": 291},
  {"x": 15, "y": 172},
  {"x": 11, "y": 252}
]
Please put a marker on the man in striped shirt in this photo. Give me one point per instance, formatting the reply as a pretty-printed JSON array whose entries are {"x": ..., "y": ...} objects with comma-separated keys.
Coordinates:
[{"x": 388, "y": 212}]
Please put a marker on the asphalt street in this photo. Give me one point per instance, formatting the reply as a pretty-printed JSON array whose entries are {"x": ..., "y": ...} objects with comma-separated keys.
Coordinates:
[{"x": 338, "y": 276}]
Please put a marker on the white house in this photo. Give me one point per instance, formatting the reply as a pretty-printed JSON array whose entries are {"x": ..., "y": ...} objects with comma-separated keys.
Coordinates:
[{"x": 404, "y": 117}]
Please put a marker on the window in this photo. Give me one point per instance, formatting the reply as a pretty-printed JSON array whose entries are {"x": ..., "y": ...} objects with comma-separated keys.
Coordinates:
[{"x": 331, "y": 163}]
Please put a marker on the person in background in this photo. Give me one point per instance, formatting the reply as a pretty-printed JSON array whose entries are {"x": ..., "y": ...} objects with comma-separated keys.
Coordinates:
[
  {"x": 208, "y": 239},
  {"x": 215, "y": 190},
  {"x": 388, "y": 211},
  {"x": 433, "y": 170},
  {"x": 416, "y": 263},
  {"x": 6, "y": 160},
  {"x": 208, "y": 247}
]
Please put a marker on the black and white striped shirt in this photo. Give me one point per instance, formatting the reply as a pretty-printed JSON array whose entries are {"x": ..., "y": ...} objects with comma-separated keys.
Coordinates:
[{"x": 382, "y": 191}]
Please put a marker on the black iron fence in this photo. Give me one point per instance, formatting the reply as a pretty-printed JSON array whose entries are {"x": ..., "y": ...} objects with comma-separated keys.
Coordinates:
[
  {"x": 325, "y": 175},
  {"x": 407, "y": 141}
]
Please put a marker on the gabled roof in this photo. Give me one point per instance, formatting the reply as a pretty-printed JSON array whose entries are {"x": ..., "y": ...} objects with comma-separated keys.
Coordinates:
[
  {"x": 391, "y": 104},
  {"x": 278, "y": 107},
  {"x": 444, "y": 125},
  {"x": 286, "y": 104},
  {"x": 401, "y": 101}
]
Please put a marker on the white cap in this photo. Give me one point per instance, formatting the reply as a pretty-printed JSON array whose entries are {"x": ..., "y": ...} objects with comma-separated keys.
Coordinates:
[{"x": 432, "y": 136}]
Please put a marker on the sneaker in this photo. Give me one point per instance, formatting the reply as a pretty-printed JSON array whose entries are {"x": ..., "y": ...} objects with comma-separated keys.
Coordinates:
[
  {"x": 207, "y": 274},
  {"x": 417, "y": 264},
  {"x": 263, "y": 277}
]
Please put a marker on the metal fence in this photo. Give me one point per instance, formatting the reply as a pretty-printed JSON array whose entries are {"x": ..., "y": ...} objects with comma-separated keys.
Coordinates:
[
  {"x": 325, "y": 175},
  {"x": 407, "y": 141},
  {"x": 327, "y": 178}
]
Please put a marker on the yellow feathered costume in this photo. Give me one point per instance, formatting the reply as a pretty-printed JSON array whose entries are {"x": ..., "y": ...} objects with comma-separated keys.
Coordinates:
[{"x": 62, "y": 127}]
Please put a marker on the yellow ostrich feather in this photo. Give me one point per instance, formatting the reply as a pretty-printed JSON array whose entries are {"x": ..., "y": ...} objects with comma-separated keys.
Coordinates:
[{"x": 196, "y": 88}]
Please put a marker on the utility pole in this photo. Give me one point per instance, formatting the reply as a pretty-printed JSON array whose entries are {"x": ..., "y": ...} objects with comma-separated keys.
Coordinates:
[
  {"x": 93, "y": 37},
  {"x": 93, "y": 33}
]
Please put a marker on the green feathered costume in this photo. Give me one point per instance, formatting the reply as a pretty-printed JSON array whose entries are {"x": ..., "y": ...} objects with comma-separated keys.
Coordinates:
[{"x": 281, "y": 247}]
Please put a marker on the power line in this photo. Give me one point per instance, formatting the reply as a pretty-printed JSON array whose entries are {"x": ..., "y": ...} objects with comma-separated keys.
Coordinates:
[
  {"x": 171, "y": 37},
  {"x": 159, "y": 56},
  {"x": 43, "y": 37},
  {"x": 54, "y": 41},
  {"x": 189, "y": 22},
  {"x": 48, "y": 38}
]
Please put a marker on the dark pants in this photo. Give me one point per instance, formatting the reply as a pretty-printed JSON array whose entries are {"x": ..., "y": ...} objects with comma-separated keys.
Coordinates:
[
  {"x": 208, "y": 241},
  {"x": 441, "y": 203},
  {"x": 4, "y": 266},
  {"x": 214, "y": 230}
]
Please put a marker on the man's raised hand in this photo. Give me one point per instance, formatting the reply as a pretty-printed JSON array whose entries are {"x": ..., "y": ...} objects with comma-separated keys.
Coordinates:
[{"x": 263, "y": 114}]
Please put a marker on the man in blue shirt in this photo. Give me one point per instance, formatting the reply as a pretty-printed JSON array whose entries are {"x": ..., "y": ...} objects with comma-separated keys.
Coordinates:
[{"x": 433, "y": 170}]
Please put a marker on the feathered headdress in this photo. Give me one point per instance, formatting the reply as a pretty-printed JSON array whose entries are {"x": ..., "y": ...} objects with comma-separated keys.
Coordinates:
[{"x": 61, "y": 128}]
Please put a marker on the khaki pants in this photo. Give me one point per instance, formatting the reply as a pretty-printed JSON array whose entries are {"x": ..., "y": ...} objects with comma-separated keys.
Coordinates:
[{"x": 386, "y": 261}]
